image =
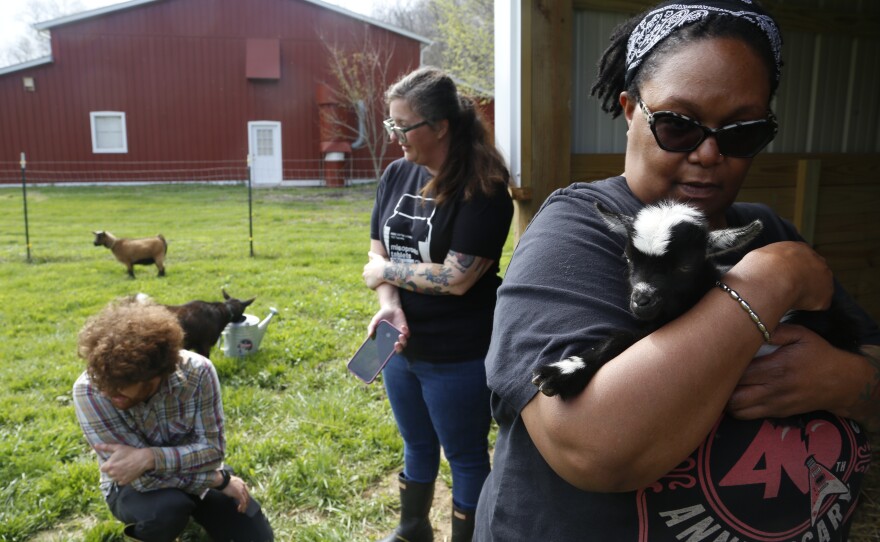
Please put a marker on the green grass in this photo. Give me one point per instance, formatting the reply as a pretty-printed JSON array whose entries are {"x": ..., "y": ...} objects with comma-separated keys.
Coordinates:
[{"x": 309, "y": 438}]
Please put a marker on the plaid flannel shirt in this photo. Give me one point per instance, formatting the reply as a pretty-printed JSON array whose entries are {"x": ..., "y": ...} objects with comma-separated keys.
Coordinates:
[{"x": 182, "y": 423}]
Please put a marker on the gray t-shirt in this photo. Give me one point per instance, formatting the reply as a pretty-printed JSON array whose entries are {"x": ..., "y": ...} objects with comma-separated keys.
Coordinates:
[{"x": 565, "y": 289}]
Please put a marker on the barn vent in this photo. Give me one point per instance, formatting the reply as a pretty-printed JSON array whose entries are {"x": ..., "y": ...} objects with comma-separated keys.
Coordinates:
[{"x": 263, "y": 59}]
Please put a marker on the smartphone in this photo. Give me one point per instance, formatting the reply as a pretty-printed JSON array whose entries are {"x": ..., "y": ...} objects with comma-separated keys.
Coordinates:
[
  {"x": 252, "y": 507},
  {"x": 372, "y": 356}
]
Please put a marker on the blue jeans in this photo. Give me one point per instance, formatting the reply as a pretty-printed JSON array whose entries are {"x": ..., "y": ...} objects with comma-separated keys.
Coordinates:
[{"x": 442, "y": 404}]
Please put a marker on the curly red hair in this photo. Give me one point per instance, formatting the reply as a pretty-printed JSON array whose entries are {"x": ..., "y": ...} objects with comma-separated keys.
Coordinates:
[{"x": 130, "y": 342}]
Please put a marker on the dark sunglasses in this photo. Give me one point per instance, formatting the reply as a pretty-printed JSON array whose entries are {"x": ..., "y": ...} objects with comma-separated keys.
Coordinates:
[
  {"x": 677, "y": 133},
  {"x": 395, "y": 130}
]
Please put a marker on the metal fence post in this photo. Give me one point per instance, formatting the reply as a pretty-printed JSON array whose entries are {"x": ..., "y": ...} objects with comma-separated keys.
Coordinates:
[
  {"x": 27, "y": 235},
  {"x": 250, "y": 207}
]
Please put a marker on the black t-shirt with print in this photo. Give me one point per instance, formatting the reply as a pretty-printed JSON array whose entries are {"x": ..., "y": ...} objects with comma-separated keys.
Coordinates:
[
  {"x": 414, "y": 229},
  {"x": 780, "y": 480}
]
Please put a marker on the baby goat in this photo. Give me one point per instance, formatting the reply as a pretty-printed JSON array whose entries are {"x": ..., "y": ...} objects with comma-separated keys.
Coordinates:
[
  {"x": 204, "y": 321},
  {"x": 669, "y": 252},
  {"x": 145, "y": 251}
]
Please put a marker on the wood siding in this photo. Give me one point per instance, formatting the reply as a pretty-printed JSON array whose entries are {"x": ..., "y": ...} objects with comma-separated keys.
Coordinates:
[
  {"x": 821, "y": 173},
  {"x": 176, "y": 68},
  {"x": 825, "y": 102}
]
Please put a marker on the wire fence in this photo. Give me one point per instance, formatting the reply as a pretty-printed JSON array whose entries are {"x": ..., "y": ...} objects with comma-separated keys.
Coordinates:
[
  {"x": 25, "y": 173},
  {"x": 309, "y": 172}
]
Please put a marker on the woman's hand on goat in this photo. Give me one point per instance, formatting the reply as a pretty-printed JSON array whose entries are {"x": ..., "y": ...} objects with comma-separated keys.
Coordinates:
[
  {"x": 803, "y": 375},
  {"x": 125, "y": 463}
]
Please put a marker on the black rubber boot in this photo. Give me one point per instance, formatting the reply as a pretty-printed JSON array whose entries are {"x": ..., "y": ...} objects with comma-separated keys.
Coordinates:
[
  {"x": 462, "y": 525},
  {"x": 128, "y": 534},
  {"x": 415, "y": 503}
]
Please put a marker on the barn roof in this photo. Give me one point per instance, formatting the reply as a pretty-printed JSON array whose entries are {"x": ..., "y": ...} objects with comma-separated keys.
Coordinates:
[
  {"x": 27, "y": 64},
  {"x": 48, "y": 25}
]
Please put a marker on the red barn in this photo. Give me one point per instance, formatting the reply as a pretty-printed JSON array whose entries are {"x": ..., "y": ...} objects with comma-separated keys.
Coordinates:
[{"x": 188, "y": 90}]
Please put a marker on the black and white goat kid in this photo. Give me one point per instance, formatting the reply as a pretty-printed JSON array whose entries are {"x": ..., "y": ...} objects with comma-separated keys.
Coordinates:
[{"x": 669, "y": 253}]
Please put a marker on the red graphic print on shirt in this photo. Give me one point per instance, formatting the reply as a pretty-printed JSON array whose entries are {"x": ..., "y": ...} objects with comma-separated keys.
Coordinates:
[{"x": 795, "y": 479}]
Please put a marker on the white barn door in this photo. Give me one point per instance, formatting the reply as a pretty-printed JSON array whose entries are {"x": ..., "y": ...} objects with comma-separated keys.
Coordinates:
[{"x": 264, "y": 146}]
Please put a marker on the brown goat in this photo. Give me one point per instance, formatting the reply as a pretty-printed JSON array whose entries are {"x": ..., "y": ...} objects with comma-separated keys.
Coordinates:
[
  {"x": 144, "y": 251},
  {"x": 204, "y": 321}
]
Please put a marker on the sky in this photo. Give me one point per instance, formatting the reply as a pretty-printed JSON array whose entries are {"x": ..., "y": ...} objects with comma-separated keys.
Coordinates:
[{"x": 12, "y": 26}]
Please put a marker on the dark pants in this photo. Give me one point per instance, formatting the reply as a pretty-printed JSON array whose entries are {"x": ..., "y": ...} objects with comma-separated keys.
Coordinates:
[
  {"x": 442, "y": 404},
  {"x": 161, "y": 515}
]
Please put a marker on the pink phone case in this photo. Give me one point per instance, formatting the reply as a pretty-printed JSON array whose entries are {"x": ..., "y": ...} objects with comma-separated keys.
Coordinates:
[{"x": 374, "y": 353}]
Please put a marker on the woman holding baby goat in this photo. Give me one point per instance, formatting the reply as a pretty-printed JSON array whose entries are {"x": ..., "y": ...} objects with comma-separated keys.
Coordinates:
[
  {"x": 441, "y": 217},
  {"x": 682, "y": 435}
]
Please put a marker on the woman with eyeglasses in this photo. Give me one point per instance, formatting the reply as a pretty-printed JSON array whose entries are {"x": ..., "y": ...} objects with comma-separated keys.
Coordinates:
[
  {"x": 683, "y": 435},
  {"x": 440, "y": 221}
]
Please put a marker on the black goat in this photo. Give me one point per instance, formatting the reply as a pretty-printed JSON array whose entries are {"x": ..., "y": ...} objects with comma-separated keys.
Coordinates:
[
  {"x": 204, "y": 321},
  {"x": 669, "y": 252}
]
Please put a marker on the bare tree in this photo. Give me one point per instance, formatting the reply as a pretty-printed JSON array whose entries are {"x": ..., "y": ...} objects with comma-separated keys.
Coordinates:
[
  {"x": 419, "y": 17},
  {"x": 467, "y": 45},
  {"x": 462, "y": 35},
  {"x": 359, "y": 75},
  {"x": 414, "y": 15},
  {"x": 35, "y": 44}
]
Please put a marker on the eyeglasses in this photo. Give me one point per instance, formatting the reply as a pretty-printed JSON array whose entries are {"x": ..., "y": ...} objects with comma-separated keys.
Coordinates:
[
  {"x": 677, "y": 133},
  {"x": 395, "y": 130}
]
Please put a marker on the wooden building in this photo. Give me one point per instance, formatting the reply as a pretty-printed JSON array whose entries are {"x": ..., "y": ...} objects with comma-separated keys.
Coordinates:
[
  {"x": 821, "y": 172},
  {"x": 186, "y": 86}
]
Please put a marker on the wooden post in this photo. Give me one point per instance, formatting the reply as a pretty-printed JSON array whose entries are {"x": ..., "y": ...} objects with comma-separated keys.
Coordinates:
[
  {"x": 809, "y": 173},
  {"x": 546, "y": 95}
]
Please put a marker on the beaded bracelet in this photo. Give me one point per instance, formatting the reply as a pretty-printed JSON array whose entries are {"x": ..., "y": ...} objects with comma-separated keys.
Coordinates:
[{"x": 746, "y": 307}]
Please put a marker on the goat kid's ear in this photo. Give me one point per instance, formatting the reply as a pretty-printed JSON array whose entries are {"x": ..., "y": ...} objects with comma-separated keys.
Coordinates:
[
  {"x": 225, "y": 295},
  {"x": 616, "y": 222},
  {"x": 248, "y": 302},
  {"x": 721, "y": 241}
]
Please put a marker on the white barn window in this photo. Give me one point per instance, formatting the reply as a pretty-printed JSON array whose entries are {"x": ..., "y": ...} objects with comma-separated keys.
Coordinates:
[{"x": 108, "y": 132}]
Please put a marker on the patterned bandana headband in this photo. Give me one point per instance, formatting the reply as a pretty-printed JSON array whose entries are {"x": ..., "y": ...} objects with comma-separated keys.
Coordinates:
[{"x": 663, "y": 21}]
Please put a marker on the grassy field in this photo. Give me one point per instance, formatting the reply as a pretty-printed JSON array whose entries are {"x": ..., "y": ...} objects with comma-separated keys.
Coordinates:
[
  {"x": 317, "y": 446},
  {"x": 308, "y": 436}
]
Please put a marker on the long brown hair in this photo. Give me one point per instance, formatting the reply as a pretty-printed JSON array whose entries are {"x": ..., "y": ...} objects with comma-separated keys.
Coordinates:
[{"x": 473, "y": 164}]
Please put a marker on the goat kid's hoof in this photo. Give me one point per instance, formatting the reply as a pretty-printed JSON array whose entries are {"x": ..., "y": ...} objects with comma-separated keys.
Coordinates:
[
  {"x": 540, "y": 380},
  {"x": 557, "y": 378}
]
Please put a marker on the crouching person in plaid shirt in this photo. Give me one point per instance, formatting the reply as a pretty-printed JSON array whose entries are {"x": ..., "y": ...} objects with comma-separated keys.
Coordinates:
[{"x": 153, "y": 413}]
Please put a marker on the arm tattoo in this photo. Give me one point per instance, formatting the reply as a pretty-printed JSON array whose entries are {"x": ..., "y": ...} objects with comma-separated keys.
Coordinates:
[
  {"x": 413, "y": 287},
  {"x": 398, "y": 272},
  {"x": 435, "y": 279},
  {"x": 465, "y": 263},
  {"x": 402, "y": 274},
  {"x": 462, "y": 262},
  {"x": 441, "y": 278}
]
